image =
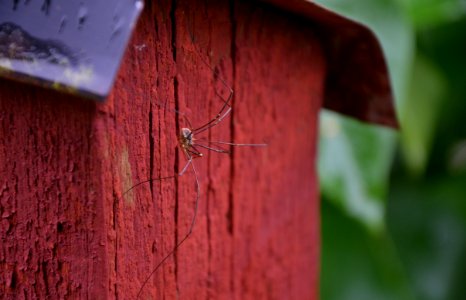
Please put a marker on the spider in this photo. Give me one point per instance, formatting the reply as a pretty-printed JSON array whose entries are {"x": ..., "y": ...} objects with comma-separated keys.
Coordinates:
[{"x": 190, "y": 146}]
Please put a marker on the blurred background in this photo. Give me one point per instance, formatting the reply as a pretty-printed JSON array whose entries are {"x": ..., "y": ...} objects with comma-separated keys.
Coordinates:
[{"x": 394, "y": 203}]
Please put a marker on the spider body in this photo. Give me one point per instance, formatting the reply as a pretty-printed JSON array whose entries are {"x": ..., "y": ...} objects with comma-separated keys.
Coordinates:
[{"x": 186, "y": 140}]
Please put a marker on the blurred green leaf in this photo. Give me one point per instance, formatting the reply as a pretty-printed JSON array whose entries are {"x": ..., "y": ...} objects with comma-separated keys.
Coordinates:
[
  {"x": 445, "y": 46},
  {"x": 429, "y": 13},
  {"x": 357, "y": 265},
  {"x": 354, "y": 163},
  {"x": 423, "y": 253},
  {"x": 418, "y": 116},
  {"x": 428, "y": 223},
  {"x": 392, "y": 28}
]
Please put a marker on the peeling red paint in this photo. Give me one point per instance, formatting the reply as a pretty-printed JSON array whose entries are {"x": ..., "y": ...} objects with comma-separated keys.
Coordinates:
[
  {"x": 51, "y": 246},
  {"x": 70, "y": 233}
]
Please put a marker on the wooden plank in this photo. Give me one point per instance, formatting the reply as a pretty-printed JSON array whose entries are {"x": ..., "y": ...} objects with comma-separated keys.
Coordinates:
[
  {"x": 279, "y": 82},
  {"x": 358, "y": 81},
  {"x": 50, "y": 196},
  {"x": 69, "y": 229}
]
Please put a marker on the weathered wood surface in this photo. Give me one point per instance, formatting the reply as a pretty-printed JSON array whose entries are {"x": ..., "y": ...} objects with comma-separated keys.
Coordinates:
[{"x": 69, "y": 232}]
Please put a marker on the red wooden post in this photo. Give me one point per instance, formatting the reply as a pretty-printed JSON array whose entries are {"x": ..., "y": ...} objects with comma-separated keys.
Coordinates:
[{"x": 69, "y": 231}]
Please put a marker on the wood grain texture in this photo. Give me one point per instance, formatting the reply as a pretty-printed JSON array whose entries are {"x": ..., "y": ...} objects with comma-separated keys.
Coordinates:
[{"x": 69, "y": 231}]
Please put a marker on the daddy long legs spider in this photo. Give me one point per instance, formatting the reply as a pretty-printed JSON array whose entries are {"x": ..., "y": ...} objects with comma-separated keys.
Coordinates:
[{"x": 191, "y": 146}]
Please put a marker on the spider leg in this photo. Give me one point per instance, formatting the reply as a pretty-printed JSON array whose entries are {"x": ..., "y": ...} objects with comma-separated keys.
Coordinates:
[
  {"x": 187, "y": 121},
  {"x": 226, "y": 108},
  {"x": 148, "y": 180},
  {"x": 235, "y": 144},
  {"x": 190, "y": 160},
  {"x": 191, "y": 226},
  {"x": 213, "y": 149},
  {"x": 194, "y": 150},
  {"x": 190, "y": 155},
  {"x": 229, "y": 143},
  {"x": 219, "y": 117}
]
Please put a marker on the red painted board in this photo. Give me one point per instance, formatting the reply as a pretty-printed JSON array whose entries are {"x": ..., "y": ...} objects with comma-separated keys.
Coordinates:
[
  {"x": 358, "y": 81},
  {"x": 52, "y": 214},
  {"x": 69, "y": 229},
  {"x": 280, "y": 75}
]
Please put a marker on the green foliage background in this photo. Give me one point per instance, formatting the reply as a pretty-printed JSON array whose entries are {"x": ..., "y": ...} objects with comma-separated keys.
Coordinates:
[{"x": 394, "y": 203}]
